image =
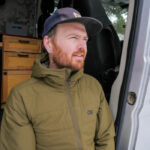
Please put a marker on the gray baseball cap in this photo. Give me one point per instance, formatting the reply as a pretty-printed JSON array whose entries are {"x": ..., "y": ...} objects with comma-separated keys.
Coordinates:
[{"x": 66, "y": 15}]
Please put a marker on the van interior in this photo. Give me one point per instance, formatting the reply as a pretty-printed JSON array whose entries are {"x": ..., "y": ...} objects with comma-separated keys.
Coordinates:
[{"x": 104, "y": 50}]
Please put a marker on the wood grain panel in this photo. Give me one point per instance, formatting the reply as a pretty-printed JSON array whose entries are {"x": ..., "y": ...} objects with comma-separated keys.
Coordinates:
[{"x": 10, "y": 79}]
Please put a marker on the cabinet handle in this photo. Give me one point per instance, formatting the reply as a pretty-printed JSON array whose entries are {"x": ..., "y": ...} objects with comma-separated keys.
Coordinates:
[
  {"x": 23, "y": 55},
  {"x": 5, "y": 73},
  {"x": 24, "y": 41}
]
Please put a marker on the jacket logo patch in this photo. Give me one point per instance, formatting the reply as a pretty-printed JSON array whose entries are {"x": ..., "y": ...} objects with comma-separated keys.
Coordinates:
[{"x": 90, "y": 112}]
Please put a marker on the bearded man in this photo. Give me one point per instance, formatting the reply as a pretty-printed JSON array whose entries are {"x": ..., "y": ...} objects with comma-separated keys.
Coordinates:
[{"x": 60, "y": 107}]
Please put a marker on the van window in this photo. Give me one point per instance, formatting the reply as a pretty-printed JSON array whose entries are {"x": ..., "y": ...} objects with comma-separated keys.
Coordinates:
[{"x": 118, "y": 16}]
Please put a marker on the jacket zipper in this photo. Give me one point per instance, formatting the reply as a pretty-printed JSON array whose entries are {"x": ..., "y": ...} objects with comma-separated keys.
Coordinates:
[{"x": 74, "y": 120}]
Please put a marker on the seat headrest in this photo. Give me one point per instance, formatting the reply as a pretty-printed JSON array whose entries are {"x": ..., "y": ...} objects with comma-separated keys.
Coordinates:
[
  {"x": 47, "y": 6},
  {"x": 65, "y": 3}
]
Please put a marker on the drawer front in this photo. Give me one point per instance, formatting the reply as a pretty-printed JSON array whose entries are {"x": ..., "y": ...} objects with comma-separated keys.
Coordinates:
[
  {"x": 10, "y": 79},
  {"x": 19, "y": 61},
  {"x": 21, "y": 44}
]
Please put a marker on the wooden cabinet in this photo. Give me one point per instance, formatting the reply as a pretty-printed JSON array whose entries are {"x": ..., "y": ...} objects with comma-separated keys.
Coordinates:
[
  {"x": 10, "y": 79},
  {"x": 18, "y": 60},
  {"x": 18, "y": 56},
  {"x": 21, "y": 44}
]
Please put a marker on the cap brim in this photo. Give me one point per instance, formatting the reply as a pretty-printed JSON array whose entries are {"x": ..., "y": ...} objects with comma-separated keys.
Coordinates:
[{"x": 92, "y": 25}]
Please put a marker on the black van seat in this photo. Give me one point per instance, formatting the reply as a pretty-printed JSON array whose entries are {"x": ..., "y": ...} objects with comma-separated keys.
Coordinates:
[{"x": 104, "y": 50}]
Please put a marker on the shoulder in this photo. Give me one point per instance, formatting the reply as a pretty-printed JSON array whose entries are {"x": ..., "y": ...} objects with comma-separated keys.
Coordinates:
[
  {"x": 26, "y": 84},
  {"x": 91, "y": 82},
  {"x": 91, "y": 79},
  {"x": 20, "y": 92},
  {"x": 23, "y": 89}
]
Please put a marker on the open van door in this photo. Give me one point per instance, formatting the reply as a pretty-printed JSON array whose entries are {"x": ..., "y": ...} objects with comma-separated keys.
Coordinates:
[{"x": 133, "y": 82}]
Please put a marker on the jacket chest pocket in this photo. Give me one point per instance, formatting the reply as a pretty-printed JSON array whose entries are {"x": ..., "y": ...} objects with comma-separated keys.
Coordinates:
[{"x": 89, "y": 120}]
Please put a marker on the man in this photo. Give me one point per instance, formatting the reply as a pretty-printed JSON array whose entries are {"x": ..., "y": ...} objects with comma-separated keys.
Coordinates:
[{"x": 60, "y": 107}]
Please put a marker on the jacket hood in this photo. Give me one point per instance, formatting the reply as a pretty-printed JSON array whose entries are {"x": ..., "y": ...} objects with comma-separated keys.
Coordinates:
[{"x": 54, "y": 77}]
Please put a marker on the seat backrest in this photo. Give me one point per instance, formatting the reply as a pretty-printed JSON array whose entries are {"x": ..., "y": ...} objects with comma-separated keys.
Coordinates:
[{"x": 47, "y": 7}]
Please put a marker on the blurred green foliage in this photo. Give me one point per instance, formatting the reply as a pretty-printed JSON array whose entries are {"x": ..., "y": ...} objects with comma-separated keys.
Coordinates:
[{"x": 118, "y": 17}]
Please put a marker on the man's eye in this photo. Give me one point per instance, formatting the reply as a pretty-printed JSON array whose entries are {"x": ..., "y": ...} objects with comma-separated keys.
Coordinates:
[
  {"x": 73, "y": 37},
  {"x": 85, "y": 39}
]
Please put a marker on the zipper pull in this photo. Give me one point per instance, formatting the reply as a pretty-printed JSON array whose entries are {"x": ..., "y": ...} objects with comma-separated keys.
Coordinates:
[{"x": 68, "y": 82}]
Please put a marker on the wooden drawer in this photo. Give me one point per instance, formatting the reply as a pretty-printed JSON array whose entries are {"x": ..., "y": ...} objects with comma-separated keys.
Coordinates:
[
  {"x": 21, "y": 44},
  {"x": 12, "y": 60},
  {"x": 10, "y": 79},
  {"x": 1, "y": 44}
]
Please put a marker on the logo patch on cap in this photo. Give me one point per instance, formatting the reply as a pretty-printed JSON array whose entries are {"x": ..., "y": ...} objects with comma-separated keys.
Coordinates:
[{"x": 76, "y": 15}]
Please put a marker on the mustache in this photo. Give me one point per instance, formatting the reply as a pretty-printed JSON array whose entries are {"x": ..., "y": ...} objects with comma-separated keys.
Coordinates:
[{"x": 81, "y": 52}]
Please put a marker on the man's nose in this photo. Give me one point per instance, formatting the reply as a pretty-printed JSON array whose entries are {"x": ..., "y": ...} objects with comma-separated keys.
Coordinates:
[{"x": 82, "y": 44}]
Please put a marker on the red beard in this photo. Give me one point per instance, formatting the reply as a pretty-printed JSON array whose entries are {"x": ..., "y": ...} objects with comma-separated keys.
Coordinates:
[{"x": 61, "y": 59}]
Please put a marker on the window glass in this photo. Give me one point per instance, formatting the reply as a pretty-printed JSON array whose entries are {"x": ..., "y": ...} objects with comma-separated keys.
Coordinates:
[{"x": 118, "y": 16}]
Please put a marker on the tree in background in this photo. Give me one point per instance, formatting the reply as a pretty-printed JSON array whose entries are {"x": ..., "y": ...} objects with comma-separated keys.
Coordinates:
[{"x": 118, "y": 17}]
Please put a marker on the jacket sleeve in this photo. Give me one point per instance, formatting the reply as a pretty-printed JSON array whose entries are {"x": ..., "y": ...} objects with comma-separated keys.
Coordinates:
[
  {"x": 104, "y": 139},
  {"x": 16, "y": 130}
]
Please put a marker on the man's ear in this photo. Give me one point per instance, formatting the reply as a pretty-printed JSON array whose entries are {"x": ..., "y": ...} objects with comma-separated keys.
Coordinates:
[{"x": 47, "y": 41}]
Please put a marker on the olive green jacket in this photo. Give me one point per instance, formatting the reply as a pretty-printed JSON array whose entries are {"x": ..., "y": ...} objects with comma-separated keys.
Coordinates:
[{"x": 57, "y": 110}]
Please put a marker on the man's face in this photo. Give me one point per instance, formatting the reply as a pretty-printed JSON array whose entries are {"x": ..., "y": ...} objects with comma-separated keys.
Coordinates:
[{"x": 69, "y": 46}]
